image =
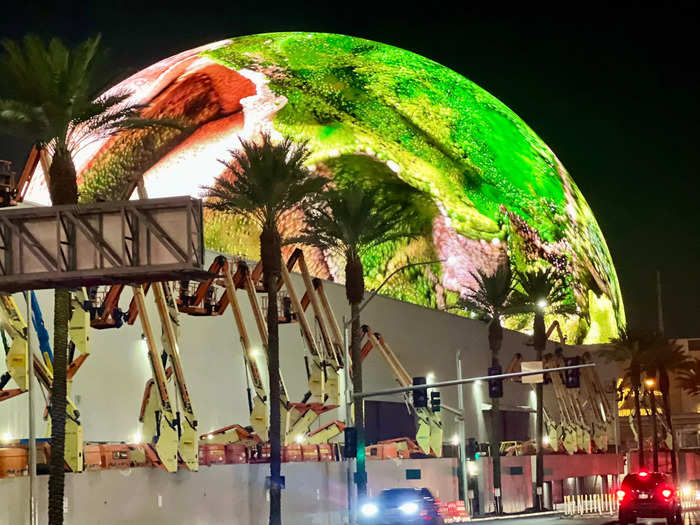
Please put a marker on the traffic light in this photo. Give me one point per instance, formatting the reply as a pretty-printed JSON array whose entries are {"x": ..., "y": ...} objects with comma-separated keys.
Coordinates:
[
  {"x": 435, "y": 401},
  {"x": 472, "y": 449},
  {"x": 572, "y": 378},
  {"x": 350, "y": 448},
  {"x": 495, "y": 385},
  {"x": 420, "y": 396}
]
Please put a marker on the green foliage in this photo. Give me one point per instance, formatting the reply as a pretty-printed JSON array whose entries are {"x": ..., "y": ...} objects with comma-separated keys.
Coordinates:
[
  {"x": 51, "y": 95},
  {"x": 266, "y": 179}
]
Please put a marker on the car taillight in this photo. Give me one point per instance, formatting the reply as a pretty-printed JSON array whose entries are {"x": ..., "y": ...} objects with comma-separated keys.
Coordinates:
[
  {"x": 643, "y": 474},
  {"x": 620, "y": 495},
  {"x": 666, "y": 493}
]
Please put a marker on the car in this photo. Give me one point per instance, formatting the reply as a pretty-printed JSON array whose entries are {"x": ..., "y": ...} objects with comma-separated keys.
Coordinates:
[
  {"x": 401, "y": 506},
  {"x": 649, "y": 495}
]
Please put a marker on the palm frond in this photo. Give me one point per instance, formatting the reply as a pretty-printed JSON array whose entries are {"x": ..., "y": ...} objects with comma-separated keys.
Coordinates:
[{"x": 264, "y": 180}]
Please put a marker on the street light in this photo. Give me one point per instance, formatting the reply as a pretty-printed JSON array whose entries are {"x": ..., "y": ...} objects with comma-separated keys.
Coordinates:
[{"x": 650, "y": 383}]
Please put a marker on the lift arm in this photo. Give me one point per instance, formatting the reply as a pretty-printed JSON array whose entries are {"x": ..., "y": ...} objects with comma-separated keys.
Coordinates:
[
  {"x": 256, "y": 404},
  {"x": 429, "y": 433},
  {"x": 159, "y": 423},
  {"x": 187, "y": 442}
]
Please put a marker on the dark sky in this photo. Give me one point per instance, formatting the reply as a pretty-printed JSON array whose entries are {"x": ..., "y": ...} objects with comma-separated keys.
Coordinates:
[{"x": 613, "y": 93}]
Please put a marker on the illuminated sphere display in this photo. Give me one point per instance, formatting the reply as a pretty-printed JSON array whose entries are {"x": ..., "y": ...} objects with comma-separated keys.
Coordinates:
[{"x": 381, "y": 118}]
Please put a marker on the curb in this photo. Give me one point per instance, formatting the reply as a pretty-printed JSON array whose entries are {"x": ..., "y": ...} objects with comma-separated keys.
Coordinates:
[{"x": 518, "y": 516}]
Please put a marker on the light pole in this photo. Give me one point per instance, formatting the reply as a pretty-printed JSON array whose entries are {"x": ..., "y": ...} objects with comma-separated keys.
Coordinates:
[
  {"x": 464, "y": 473},
  {"x": 30, "y": 389},
  {"x": 650, "y": 384}
]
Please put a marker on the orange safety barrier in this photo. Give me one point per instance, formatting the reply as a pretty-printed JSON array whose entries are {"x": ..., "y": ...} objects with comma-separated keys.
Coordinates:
[
  {"x": 115, "y": 457},
  {"x": 236, "y": 454},
  {"x": 386, "y": 451},
  {"x": 309, "y": 452},
  {"x": 453, "y": 511},
  {"x": 92, "y": 457},
  {"x": 13, "y": 462},
  {"x": 212, "y": 454},
  {"x": 292, "y": 454},
  {"x": 325, "y": 452},
  {"x": 260, "y": 454}
]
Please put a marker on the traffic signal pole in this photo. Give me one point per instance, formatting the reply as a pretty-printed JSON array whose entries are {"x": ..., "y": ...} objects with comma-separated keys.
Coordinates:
[{"x": 457, "y": 382}]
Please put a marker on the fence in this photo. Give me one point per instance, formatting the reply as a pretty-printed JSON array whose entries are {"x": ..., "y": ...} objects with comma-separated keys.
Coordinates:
[{"x": 608, "y": 504}]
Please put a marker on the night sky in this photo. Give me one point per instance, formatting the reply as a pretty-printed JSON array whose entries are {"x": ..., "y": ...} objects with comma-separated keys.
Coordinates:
[{"x": 613, "y": 93}]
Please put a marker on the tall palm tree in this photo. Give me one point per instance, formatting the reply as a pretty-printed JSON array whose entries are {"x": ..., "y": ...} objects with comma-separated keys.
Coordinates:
[
  {"x": 51, "y": 96},
  {"x": 629, "y": 349},
  {"x": 265, "y": 179},
  {"x": 349, "y": 221},
  {"x": 491, "y": 297},
  {"x": 540, "y": 291},
  {"x": 664, "y": 357}
]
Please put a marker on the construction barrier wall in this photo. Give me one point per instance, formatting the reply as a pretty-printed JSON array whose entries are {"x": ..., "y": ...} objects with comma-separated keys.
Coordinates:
[{"x": 231, "y": 494}]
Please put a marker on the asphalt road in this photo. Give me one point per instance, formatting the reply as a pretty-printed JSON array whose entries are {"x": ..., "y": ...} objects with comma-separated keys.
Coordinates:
[{"x": 690, "y": 518}]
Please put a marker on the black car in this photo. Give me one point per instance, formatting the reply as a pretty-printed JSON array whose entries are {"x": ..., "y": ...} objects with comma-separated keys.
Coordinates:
[
  {"x": 400, "y": 506},
  {"x": 649, "y": 495}
]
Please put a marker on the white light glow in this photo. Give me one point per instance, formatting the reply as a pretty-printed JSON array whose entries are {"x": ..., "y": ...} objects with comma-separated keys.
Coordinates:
[
  {"x": 542, "y": 304},
  {"x": 300, "y": 438},
  {"x": 472, "y": 468},
  {"x": 137, "y": 436},
  {"x": 210, "y": 436},
  {"x": 455, "y": 440},
  {"x": 545, "y": 439},
  {"x": 410, "y": 507},
  {"x": 369, "y": 509},
  {"x": 6, "y": 437}
]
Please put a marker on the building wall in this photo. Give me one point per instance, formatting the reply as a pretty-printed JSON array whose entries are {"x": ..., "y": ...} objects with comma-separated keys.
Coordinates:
[
  {"x": 108, "y": 388},
  {"x": 231, "y": 494}
]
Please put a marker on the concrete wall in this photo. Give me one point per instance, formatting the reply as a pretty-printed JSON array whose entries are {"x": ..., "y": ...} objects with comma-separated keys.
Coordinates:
[{"x": 231, "y": 494}]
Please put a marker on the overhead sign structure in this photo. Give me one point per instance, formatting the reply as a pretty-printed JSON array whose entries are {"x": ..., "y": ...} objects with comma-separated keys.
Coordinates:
[{"x": 101, "y": 243}]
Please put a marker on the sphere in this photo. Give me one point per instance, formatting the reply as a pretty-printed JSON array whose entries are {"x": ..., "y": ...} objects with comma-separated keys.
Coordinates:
[{"x": 385, "y": 119}]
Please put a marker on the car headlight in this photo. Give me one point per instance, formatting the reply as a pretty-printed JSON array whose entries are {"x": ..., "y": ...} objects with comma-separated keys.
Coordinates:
[
  {"x": 410, "y": 507},
  {"x": 369, "y": 509}
]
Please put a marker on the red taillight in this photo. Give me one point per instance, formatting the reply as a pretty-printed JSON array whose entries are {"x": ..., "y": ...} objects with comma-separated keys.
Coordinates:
[
  {"x": 666, "y": 493},
  {"x": 643, "y": 474},
  {"x": 620, "y": 495}
]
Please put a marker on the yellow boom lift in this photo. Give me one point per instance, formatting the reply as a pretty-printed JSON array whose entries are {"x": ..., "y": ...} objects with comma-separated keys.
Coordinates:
[
  {"x": 17, "y": 361},
  {"x": 429, "y": 432}
]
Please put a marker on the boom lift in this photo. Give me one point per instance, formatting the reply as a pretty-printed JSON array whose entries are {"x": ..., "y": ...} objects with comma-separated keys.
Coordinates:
[
  {"x": 17, "y": 359},
  {"x": 429, "y": 433}
]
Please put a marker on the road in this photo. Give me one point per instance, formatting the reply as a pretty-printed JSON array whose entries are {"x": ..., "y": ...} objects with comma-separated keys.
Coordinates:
[{"x": 690, "y": 518}]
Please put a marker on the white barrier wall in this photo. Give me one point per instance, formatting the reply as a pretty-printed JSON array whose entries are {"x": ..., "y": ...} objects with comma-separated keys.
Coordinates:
[{"x": 231, "y": 494}]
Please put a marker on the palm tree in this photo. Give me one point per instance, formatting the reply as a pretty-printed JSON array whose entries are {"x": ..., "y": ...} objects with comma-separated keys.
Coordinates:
[
  {"x": 541, "y": 291},
  {"x": 689, "y": 377},
  {"x": 491, "y": 297},
  {"x": 664, "y": 357},
  {"x": 629, "y": 349},
  {"x": 348, "y": 222},
  {"x": 265, "y": 179},
  {"x": 51, "y": 96}
]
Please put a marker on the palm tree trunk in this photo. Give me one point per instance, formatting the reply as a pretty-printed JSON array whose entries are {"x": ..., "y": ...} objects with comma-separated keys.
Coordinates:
[
  {"x": 58, "y": 406},
  {"x": 354, "y": 290},
  {"x": 495, "y": 340},
  {"x": 540, "y": 341},
  {"x": 63, "y": 190},
  {"x": 640, "y": 436},
  {"x": 271, "y": 255}
]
